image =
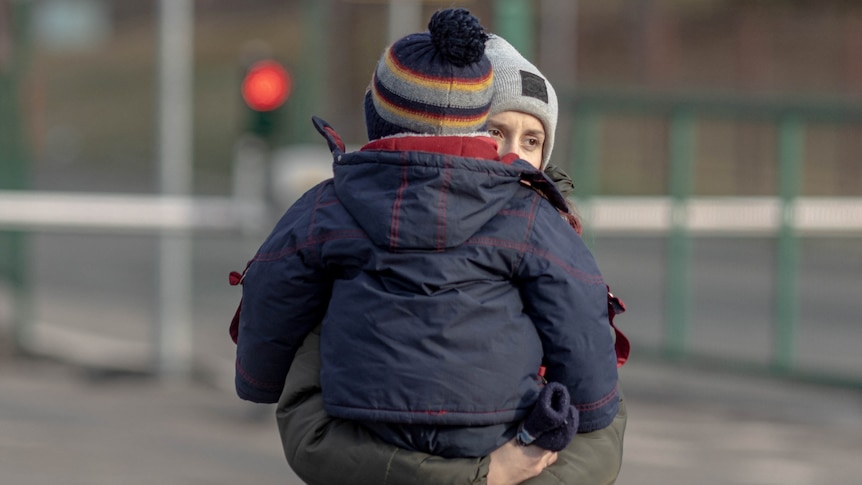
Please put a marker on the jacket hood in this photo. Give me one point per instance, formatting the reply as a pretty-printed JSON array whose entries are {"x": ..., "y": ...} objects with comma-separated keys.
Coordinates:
[{"x": 425, "y": 193}]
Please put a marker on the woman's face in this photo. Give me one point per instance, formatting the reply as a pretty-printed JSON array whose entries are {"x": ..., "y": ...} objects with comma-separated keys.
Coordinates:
[{"x": 518, "y": 133}]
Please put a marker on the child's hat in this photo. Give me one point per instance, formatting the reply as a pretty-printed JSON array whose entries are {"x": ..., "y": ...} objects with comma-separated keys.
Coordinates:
[
  {"x": 437, "y": 82},
  {"x": 520, "y": 86}
]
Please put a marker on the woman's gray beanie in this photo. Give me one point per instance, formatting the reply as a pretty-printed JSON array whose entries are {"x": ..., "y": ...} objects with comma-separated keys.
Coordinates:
[{"x": 520, "y": 86}]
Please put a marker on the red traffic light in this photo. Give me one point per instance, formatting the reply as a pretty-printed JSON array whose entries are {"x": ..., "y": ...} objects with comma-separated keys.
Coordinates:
[{"x": 266, "y": 86}]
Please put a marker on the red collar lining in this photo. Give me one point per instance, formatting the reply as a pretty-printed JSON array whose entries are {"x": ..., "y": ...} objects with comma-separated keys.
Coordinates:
[{"x": 483, "y": 147}]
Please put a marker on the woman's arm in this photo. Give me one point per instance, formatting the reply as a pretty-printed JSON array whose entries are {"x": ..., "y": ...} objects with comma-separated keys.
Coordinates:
[
  {"x": 591, "y": 458},
  {"x": 322, "y": 450}
]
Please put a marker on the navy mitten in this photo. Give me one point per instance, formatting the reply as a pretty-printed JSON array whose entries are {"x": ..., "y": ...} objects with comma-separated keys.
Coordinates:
[{"x": 553, "y": 422}]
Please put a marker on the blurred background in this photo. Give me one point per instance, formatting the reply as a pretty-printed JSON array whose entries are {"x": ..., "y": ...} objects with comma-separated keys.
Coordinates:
[{"x": 714, "y": 146}]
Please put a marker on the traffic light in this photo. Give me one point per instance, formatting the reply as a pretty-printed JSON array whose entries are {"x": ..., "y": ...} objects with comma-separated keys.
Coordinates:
[{"x": 266, "y": 85}]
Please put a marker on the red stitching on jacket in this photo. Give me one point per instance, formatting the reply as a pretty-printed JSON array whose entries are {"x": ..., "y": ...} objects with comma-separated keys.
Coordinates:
[
  {"x": 314, "y": 210},
  {"x": 590, "y": 406},
  {"x": 396, "y": 208},
  {"x": 527, "y": 248},
  {"x": 516, "y": 213},
  {"x": 441, "y": 204},
  {"x": 439, "y": 412},
  {"x": 313, "y": 241},
  {"x": 531, "y": 217},
  {"x": 251, "y": 380}
]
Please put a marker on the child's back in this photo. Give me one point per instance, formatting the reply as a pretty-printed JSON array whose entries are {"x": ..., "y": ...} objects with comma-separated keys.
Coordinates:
[{"x": 426, "y": 324}]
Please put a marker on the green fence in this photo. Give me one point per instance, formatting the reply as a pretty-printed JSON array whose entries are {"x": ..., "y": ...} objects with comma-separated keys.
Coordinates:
[
  {"x": 13, "y": 159},
  {"x": 681, "y": 113}
]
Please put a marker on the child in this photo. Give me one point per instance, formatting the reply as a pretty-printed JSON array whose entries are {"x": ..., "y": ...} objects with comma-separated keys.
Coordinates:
[{"x": 442, "y": 274}]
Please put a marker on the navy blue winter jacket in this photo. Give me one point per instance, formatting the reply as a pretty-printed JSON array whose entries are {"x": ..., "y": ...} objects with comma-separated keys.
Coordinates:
[{"x": 441, "y": 282}]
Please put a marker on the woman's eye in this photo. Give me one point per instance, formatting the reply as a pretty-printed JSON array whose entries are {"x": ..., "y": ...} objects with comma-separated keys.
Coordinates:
[
  {"x": 532, "y": 142},
  {"x": 495, "y": 132}
]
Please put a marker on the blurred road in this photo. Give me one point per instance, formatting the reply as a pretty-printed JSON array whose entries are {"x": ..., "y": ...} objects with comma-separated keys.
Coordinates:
[
  {"x": 86, "y": 416},
  {"x": 61, "y": 424}
]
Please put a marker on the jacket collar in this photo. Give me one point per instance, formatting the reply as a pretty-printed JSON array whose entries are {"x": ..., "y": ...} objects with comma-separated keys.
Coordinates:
[{"x": 478, "y": 146}]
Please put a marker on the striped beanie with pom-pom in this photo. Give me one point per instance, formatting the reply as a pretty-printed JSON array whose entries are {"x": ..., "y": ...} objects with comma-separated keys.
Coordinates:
[{"x": 438, "y": 82}]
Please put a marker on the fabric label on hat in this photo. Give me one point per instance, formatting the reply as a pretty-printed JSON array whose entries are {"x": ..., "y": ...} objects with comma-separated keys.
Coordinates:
[{"x": 533, "y": 86}]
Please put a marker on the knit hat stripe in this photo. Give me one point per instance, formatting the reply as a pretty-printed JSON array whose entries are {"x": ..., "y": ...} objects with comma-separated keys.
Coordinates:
[
  {"x": 446, "y": 122},
  {"x": 439, "y": 97},
  {"x": 446, "y": 82},
  {"x": 455, "y": 93},
  {"x": 447, "y": 104},
  {"x": 408, "y": 113}
]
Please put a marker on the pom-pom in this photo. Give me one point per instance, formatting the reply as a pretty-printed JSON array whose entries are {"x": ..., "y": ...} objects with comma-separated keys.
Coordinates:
[{"x": 458, "y": 36}]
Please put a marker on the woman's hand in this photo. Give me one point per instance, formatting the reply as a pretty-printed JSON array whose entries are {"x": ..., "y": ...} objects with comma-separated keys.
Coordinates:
[{"x": 512, "y": 463}]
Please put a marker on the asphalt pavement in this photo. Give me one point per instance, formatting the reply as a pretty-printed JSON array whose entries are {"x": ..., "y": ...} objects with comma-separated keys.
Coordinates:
[{"x": 64, "y": 423}]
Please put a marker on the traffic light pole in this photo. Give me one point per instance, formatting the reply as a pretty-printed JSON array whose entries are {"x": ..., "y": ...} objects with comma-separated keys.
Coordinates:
[
  {"x": 264, "y": 88},
  {"x": 250, "y": 176},
  {"x": 173, "y": 336}
]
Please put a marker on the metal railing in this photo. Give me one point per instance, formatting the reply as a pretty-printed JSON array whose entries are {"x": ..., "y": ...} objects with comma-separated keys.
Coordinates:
[
  {"x": 784, "y": 215},
  {"x": 173, "y": 218}
]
